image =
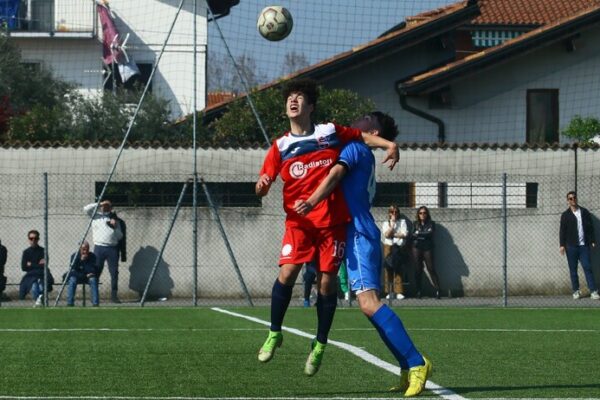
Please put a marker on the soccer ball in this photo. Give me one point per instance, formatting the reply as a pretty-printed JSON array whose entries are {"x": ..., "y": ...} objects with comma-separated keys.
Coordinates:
[{"x": 274, "y": 23}]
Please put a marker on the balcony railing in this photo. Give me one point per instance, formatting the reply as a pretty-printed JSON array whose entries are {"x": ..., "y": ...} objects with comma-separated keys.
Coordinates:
[{"x": 39, "y": 18}]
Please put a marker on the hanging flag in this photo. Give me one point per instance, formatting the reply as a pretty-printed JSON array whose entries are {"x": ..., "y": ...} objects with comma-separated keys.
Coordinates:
[{"x": 113, "y": 49}]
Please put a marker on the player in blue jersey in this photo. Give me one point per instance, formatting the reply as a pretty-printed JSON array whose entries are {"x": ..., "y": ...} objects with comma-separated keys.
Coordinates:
[{"x": 355, "y": 169}]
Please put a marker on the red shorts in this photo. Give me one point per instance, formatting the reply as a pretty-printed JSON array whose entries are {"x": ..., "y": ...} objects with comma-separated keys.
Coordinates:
[{"x": 325, "y": 245}]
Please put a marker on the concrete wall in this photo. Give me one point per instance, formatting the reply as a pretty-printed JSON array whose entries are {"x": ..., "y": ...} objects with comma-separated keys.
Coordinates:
[{"x": 469, "y": 250}]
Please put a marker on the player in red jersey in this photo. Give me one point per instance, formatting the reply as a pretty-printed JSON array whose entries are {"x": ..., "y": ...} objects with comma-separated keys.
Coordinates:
[{"x": 303, "y": 157}]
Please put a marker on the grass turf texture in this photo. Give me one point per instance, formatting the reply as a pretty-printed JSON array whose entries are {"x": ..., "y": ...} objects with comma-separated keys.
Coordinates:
[{"x": 477, "y": 353}]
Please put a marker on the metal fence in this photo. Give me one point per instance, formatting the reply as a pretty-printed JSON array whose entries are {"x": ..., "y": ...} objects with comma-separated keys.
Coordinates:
[{"x": 501, "y": 253}]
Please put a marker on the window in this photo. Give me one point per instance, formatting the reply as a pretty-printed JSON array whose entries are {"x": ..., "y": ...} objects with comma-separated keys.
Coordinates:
[
  {"x": 542, "y": 116},
  {"x": 491, "y": 38},
  {"x": 476, "y": 195},
  {"x": 398, "y": 193},
  {"x": 166, "y": 194},
  {"x": 137, "y": 80}
]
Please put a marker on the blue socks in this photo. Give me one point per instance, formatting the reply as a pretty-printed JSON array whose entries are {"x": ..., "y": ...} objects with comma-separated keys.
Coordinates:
[
  {"x": 280, "y": 300},
  {"x": 326, "y": 306},
  {"x": 396, "y": 338}
]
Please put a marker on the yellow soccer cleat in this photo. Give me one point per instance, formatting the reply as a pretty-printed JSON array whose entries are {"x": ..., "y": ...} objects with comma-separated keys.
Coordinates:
[
  {"x": 403, "y": 382},
  {"x": 267, "y": 351},
  {"x": 417, "y": 378}
]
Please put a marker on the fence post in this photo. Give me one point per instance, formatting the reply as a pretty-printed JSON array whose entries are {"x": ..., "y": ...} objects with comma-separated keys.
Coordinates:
[
  {"x": 504, "y": 241},
  {"x": 45, "y": 239},
  {"x": 226, "y": 240},
  {"x": 164, "y": 244},
  {"x": 195, "y": 153}
]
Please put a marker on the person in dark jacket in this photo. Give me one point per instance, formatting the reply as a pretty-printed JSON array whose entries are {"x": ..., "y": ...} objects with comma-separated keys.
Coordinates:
[
  {"x": 33, "y": 263},
  {"x": 84, "y": 270},
  {"x": 3, "y": 255},
  {"x": 576, "y": 239},
  {"x": 422, "y": 235}
]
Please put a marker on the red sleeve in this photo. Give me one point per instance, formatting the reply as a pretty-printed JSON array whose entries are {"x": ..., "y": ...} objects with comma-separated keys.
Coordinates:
[
  {"x": 347, "y": 134},
  {"x": 272, "y": 164}
]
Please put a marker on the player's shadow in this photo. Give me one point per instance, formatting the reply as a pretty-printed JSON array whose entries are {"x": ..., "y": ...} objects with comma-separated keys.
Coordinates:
[
  {"x": 448, "y": 263},
  {"x": 140, "y": 270}
]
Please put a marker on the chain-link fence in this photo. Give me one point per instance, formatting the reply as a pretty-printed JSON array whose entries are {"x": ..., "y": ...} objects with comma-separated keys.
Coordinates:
[{"x": 496, "y": 240}]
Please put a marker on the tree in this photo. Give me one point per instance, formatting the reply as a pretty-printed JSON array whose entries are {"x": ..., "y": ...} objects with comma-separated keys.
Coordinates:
[
  {"x": 582, "y": 129},
  {"x": 35, "y": 106},
  {"x": 293, "y": 62},
  {"x": 223, "y": 76},
  {"x": 238, "y": 126},
  {"x": 31, "y": 94}
]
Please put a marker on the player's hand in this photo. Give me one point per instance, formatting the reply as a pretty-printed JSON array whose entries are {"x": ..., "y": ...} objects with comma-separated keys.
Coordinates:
[
  {"x": 263, "y": 185},
  {"x": 302, "y": 207},
  {"x": 561, "y": 250},
  {"x": 392, "y": 155}
]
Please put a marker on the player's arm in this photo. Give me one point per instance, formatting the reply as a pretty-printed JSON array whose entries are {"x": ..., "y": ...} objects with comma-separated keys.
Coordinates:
[
  {"x": 268, "y": 171},
  {"x": 325, "y": 188},
  {"x": 263, "y": 185},
  {"x": 347, "y": 134},
  {"x": 391, "y": 148}
]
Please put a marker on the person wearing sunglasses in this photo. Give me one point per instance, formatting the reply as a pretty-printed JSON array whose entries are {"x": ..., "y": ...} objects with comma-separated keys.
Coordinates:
[
  {"x": 33, "y": 262},
  {"x": 395, "y": 233},
  {"x": 577, "y": 238},
  {"x": 423, "y": 230}
]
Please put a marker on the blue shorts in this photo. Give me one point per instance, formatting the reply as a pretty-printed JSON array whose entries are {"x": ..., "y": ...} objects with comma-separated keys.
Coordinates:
[{"x": 363, "y": 261}]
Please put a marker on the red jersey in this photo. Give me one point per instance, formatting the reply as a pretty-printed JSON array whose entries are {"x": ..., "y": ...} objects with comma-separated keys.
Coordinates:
[{"x": 303, "y": 162}]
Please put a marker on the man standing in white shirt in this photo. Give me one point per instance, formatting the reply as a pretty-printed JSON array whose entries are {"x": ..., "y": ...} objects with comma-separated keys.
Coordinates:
[
  {"x": 576, "y": 239},
  {"x": 107, "y": 232}
]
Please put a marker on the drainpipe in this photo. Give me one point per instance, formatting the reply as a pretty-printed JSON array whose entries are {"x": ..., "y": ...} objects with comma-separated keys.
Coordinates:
[{"x": 420, "y": 113}]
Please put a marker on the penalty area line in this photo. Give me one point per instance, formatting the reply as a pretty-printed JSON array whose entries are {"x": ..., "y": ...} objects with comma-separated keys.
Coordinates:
[{"x": 356, "y": 351}]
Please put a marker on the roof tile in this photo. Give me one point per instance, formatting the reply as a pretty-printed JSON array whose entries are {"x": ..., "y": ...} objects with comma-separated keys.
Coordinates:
[{"x": 528, "y": 12}]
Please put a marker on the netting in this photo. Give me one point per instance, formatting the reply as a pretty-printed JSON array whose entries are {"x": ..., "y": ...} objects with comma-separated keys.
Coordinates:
[{"x": 495, "y": 103}]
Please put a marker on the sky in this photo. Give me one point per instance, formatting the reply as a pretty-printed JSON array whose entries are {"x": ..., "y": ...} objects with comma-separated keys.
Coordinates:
[{"x": 322, "y": 28}]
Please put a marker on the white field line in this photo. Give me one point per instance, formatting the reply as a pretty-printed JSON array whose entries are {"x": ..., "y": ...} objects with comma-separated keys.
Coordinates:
[
  {"x": 260, "y": 329},
  {"x": 368, "y": 357},
  {"x": 203, "y": 398}
]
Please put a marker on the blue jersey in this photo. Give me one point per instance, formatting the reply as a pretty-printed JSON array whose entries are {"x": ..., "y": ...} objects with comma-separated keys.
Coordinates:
[{"x": 359, "y": 187}]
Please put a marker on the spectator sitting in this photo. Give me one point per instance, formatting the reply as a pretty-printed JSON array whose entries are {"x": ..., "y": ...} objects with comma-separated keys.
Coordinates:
[
  {"x": 33, "y": 264},
  {"x": 83, "y": 270}
]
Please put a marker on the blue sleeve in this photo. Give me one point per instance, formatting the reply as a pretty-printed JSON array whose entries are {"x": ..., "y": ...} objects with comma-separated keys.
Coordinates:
[{"x": 350, "y": 155}]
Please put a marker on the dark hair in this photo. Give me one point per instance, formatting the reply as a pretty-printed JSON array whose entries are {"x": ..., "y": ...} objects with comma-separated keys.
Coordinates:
[
  {"x": 306, "y": 86},
  {"x": 428, "y": 214},
  {"x": 572, "y": 192},
  {"x": 33, "y": 231},
  {"x": 389, "y": 130}
]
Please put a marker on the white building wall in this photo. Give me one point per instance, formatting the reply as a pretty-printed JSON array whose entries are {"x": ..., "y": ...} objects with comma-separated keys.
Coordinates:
[
  {"x": 489, "y": 106},
  {"x": 79, "y": 60},
  {"x": 148, "y": 23}
]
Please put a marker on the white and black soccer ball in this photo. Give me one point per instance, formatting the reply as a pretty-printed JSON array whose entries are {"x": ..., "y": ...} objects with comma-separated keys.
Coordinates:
[{"x": 274, "y": 23}]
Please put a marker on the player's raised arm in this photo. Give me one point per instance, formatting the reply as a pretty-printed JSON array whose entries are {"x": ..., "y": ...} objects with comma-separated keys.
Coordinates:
[
  {"x": 325, "y": 188},
  {"x": 391, "y": 148}
]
